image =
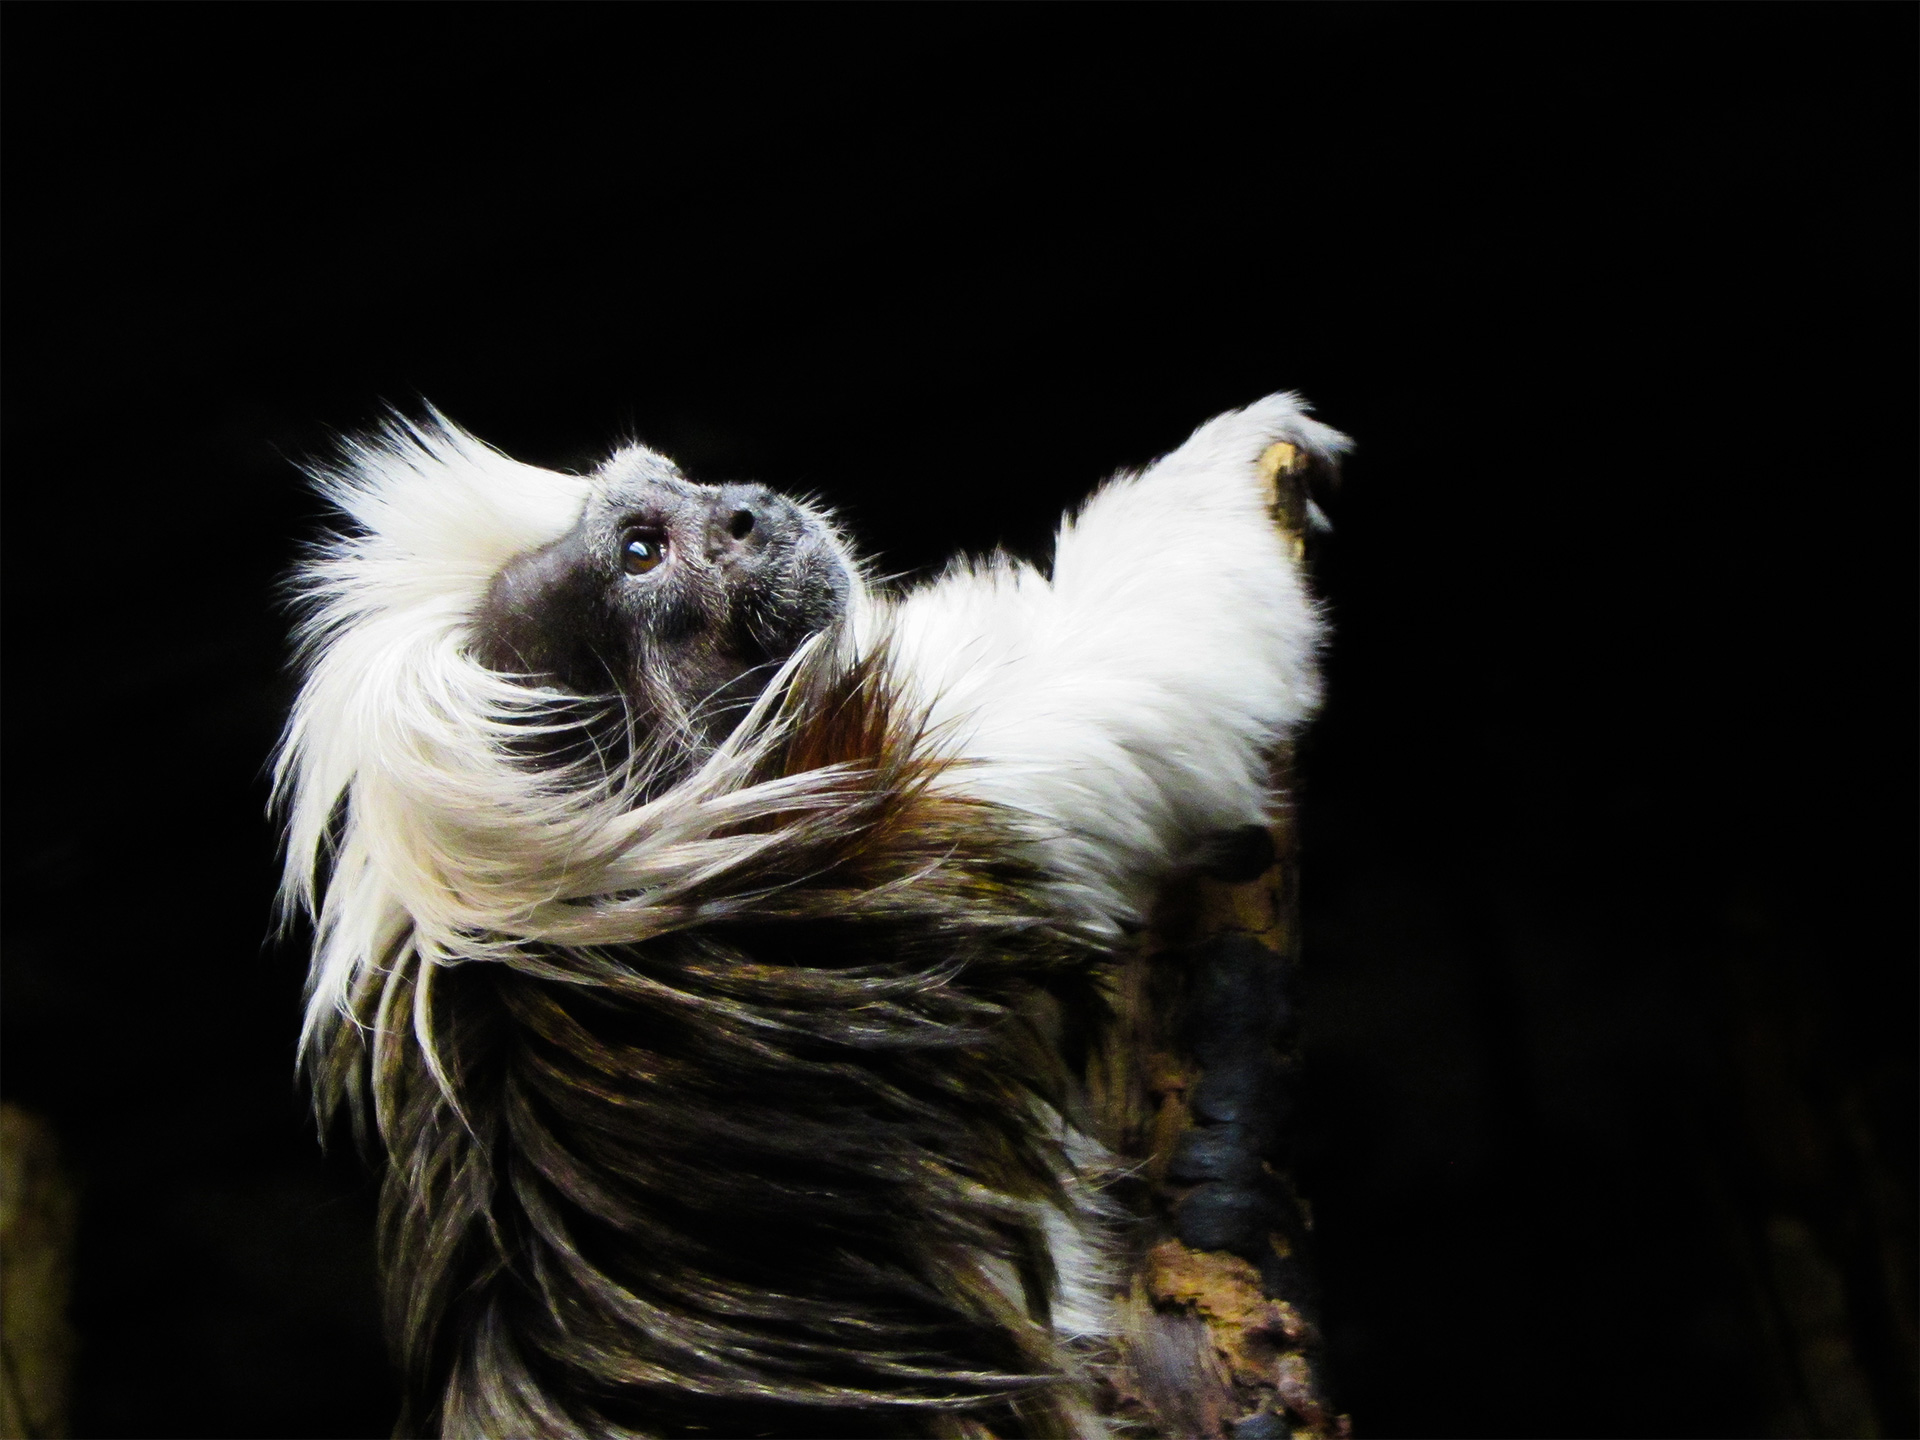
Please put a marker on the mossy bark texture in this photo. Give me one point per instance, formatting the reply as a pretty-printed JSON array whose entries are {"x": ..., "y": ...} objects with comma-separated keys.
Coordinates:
[
  {"x": 36, "y": 1262},
  {"x": 1220, "y": 1334}
]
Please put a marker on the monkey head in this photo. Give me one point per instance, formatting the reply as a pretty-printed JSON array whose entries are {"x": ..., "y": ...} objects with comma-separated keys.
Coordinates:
[{"x": 680, "y": 600}]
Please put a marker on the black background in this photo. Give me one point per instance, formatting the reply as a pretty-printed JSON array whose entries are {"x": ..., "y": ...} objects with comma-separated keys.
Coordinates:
[{"x": 1609, "y": 817}]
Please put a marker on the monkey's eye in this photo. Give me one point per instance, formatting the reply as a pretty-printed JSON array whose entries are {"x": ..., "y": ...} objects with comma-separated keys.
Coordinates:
[{"x": 642, "y": 550}]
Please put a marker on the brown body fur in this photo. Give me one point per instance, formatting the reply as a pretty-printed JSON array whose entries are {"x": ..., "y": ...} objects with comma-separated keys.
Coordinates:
[{"x": 737, "y": 1180}]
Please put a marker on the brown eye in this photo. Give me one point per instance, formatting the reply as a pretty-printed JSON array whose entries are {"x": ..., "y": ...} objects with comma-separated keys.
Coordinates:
[{"x": 642, "y": 550}]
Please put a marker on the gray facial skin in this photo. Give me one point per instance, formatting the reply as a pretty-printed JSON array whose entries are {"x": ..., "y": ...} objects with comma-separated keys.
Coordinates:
[{"x": 681, "y": 599}]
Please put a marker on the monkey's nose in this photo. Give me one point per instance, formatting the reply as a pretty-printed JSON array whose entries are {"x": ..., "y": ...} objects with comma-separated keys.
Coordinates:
[{"x": 743, "y": 519}]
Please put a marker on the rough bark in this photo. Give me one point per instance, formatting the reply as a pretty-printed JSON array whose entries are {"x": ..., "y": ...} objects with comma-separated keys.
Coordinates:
[{"x": 1220, "y": 1336}]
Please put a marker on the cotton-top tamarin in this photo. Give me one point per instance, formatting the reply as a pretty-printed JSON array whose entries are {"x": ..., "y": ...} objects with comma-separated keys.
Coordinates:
[{"x": 713, "y": 941}]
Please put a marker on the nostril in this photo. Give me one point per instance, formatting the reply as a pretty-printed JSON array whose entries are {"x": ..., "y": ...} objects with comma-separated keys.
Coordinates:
[{"x": 740, "y": 524}]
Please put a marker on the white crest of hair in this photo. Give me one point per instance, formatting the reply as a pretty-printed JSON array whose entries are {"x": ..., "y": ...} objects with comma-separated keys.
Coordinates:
[
  {"x": 447, "y": 837},
  {"x": 1129, "y": 703}
]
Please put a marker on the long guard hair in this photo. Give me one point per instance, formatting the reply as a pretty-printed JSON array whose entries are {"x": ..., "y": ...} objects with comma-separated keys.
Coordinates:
[{"x": 730, "y": 1089}]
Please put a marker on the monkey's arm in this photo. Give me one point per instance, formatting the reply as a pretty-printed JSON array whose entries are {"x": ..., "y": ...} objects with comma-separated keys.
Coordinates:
[{"x": 1130, "y": 703}]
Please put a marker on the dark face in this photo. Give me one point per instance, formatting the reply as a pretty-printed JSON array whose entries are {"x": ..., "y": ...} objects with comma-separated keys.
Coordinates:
[{"x": 681, "y": 599}]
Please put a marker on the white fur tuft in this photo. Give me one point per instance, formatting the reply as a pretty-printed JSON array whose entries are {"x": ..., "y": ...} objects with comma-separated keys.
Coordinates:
[{"x": 1130, "y": 703}]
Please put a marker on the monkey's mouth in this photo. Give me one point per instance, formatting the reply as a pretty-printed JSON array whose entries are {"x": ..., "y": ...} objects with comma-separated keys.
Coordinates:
[{"x": 794, "y": 595}]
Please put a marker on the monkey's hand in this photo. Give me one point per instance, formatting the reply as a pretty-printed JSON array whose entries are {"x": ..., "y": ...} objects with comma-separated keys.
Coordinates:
[{"x": 1130, "y": 704}]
